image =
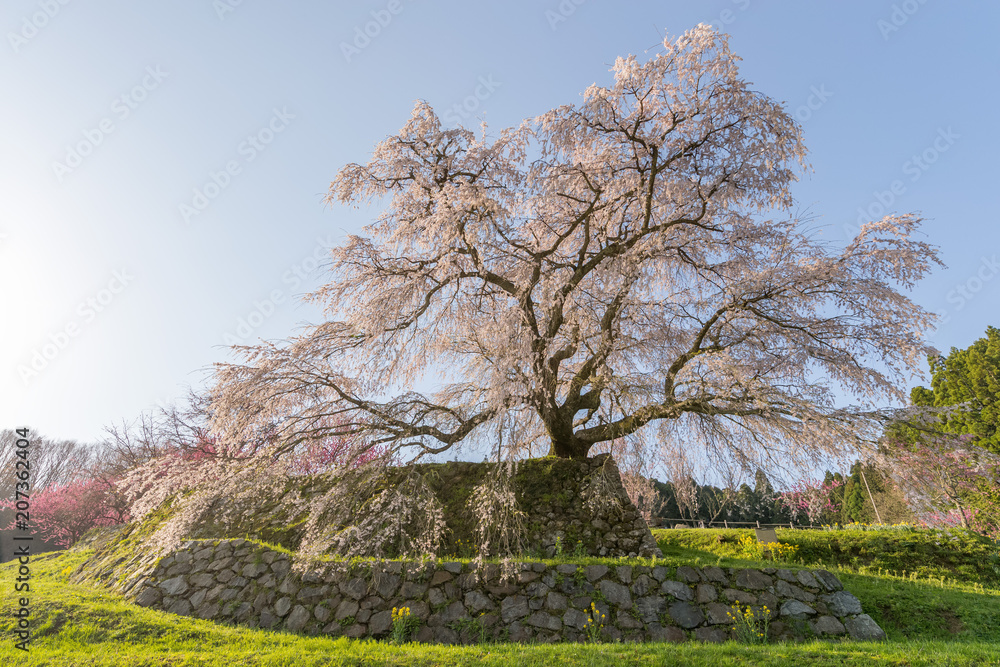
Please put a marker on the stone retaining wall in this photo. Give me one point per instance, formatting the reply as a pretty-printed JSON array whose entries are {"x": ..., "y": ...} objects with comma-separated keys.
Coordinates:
[{"x": 250, "y": 584}]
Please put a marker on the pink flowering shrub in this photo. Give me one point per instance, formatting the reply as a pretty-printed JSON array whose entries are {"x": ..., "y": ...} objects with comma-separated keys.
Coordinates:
[
  {"x": 811, "y": 499},
  {"x": 64, "y": 512},
  {"x": 948, "y": 519}
]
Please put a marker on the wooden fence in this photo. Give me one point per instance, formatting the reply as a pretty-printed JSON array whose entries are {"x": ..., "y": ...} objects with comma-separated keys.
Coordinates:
[{"x": 668, "y": 522}]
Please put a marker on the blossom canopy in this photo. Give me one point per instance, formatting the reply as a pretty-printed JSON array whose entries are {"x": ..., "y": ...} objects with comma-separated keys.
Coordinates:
[{"x": 625, "y": 263}]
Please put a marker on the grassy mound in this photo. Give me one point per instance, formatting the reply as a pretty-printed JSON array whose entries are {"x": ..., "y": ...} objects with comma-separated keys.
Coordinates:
[{"x": 549, "y": 491}]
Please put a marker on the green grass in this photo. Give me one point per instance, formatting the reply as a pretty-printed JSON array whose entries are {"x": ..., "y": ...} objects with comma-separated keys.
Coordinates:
[
  {"x": 932, "y": 554},
  {"x": 932, "y": 606}
]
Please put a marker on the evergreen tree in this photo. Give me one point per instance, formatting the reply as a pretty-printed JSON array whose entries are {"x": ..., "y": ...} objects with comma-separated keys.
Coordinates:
[{"x": 969, "y": 378}]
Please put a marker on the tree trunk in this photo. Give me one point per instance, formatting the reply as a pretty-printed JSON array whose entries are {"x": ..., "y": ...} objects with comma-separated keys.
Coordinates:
[
  {"x": 568, "y": 448},
  {"x": 961, "y": 513},
  {"x": 565, "y": 444}
]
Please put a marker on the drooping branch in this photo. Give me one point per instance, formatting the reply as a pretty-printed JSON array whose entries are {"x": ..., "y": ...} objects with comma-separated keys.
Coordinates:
[{"x": 601, "y": 269}]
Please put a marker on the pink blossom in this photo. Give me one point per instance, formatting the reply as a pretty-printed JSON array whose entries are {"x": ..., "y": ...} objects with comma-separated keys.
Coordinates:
[{"x": 63, "y": 513}]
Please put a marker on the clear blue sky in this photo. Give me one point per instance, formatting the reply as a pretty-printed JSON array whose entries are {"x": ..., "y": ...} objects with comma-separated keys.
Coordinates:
[{"x": 114, "y": 113}]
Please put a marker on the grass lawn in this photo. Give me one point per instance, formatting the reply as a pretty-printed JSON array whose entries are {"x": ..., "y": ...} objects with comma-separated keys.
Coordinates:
[{"x": 936, "y": 598}]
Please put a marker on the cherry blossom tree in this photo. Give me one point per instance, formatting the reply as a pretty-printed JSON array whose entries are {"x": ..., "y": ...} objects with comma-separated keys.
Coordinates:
[
  {"x": 947, "y": 476},
  {"x": 625, "y": 264}
]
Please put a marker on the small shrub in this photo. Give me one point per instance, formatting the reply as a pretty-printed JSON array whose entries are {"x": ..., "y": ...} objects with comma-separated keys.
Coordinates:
[
  {"x": 754, "y": 550},
  {"x": 403, "y": 624},
  {"x": 594, "y": 624},
  {"x": 750, "y": 626},
  {"x": 473, "y": 626}
]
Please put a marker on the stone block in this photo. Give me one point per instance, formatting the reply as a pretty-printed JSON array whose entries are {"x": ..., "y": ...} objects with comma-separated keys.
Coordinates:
[
  {"x": 615, "y": 593},
  {"x": 282, "y": 606},
  {"x": 715, "y": 574},
  {"x": 418, "y": 609},
  {"x": 198, "y": 597},
  {"x": 753, "y": 580},
  {"x": 346, "y": 609},
  {"x": 514, "y": 608},
  {"x": 574, "y": 618},
  {"x": 312, "y": 594},
  {"x": 842, "y": 603},
  {"x": 642, "y": 585},
  {"x": 536, "y": 589},
  {"x": 827, "y": 625},
  {"x": 356, "y": 631},
  {"x": 174, "y": 586},
  {"x": 268, "y": 620},
  {"x": 357, "y": 588},
  {"x": 806, "y": 578},
  {"x": 541, "y": 619},
  {"x": 387, "y": 584},
  {"x": 181, "y": 607},
  {"x": 797, "y": 610},
  {"x": 528, "y": 577},
  {"x": 677, "y": 590},
  {"x": 686, "y": 614},
  {"x": 297, "y": 620},
  {"x": 705, "y": 593},
  {"x": 712, "y": 635},
  {"x": 148, "y": 597},
  {"x": 864, "y": 628},
  {"x": 742, "y": 597},
  {"x": 828, "y": 580},
  {"x": 770, "y": 601},
  {"x": 208, "y": 610},
  {"x": 380, "y": 623},
  {"x": 436, "y": 597},
  {"x": 323, "y": 614},
  {"x": 626, "y": 621},
  {"x": 555, "y": 601},
  {"x": 201, "y": 580},
  {"x": 254, "y": 570},
  {"x": 476, "y": 602},
  {"x": 787, "y": 590},
  {"x": 718, "y": 613},
  {"x": 440, "y": 577}
]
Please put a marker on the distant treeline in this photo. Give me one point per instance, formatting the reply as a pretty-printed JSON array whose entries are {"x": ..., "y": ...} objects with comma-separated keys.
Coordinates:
[{"x": 846, "y": 499}]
